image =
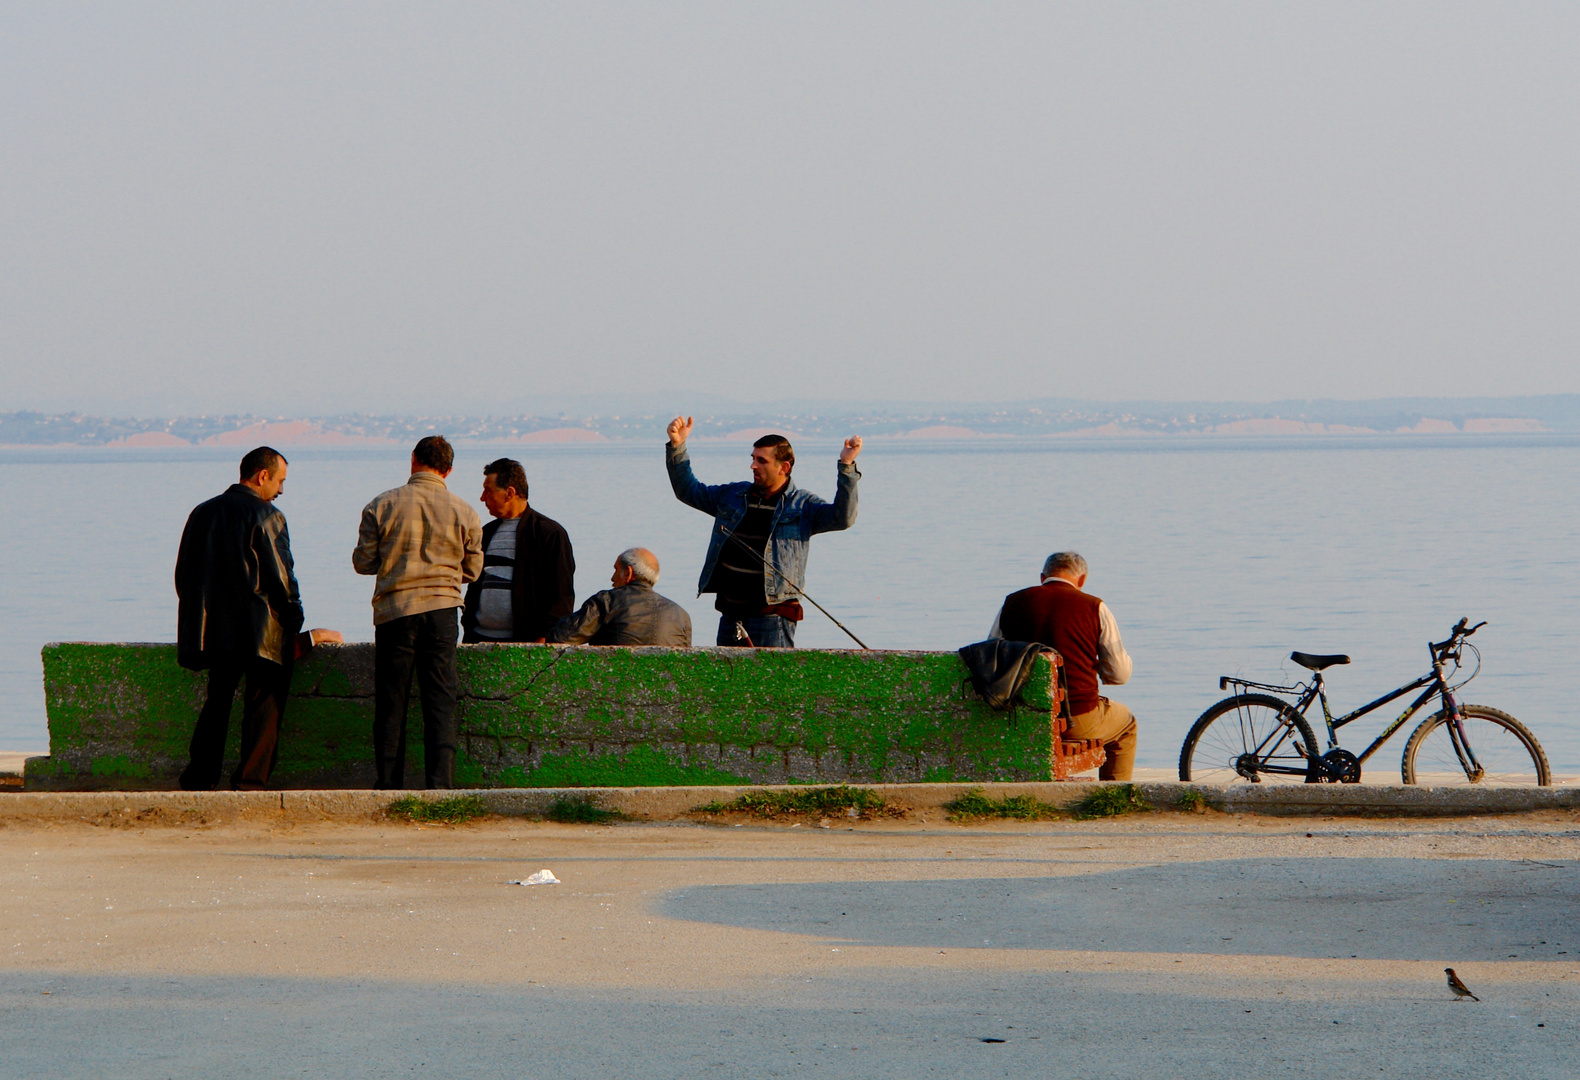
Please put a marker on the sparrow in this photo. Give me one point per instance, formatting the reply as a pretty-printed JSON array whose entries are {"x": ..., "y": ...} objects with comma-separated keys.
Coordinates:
[{"x": 1459, "y": 988}]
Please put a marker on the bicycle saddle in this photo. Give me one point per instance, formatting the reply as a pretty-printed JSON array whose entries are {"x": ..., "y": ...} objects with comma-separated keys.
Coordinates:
[{"x": 1317, "y": 663}]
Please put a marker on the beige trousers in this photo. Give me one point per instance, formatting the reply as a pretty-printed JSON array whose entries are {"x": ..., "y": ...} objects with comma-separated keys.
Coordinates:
[{"x": 1113, "y": 725}]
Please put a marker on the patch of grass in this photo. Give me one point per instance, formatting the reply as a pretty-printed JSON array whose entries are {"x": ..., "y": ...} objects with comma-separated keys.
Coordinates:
[
  {"x": 974, "y": 804},
  {"x": 1111, "y": 801},
  {"x": 1192, "y": 801},
  {"x": 841, "y": 799},
  {"x": 581, "y": 810},
  {"x": 453, "y": 811}
]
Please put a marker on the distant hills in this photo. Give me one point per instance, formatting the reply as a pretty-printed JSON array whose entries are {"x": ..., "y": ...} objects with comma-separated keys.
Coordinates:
[{"x": 1040, "y": 418}]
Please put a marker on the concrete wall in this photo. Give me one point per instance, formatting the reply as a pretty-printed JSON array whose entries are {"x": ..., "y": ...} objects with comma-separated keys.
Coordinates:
[{"x": 120, "y": 716}]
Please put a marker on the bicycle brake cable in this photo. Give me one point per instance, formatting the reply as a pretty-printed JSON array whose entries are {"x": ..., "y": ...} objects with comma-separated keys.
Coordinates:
[{"x": 1459, "y": 666}]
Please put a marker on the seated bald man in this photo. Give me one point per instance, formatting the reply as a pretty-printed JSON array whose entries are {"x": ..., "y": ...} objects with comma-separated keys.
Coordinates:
[
  {"x": 630, "y": 613},
  {"x": 1059, "y": 614}
]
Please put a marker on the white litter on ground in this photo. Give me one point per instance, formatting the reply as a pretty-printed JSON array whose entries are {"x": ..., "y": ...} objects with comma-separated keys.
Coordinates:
[{"x": 542, "y": 877}]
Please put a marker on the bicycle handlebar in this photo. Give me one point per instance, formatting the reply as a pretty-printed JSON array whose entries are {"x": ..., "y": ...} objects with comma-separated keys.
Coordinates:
[{"x": 1462, "y": 630}]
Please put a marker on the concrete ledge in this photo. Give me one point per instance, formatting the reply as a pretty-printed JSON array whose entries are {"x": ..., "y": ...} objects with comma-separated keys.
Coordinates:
[
  {"x": 551, "y": 716},
  {"x": 1392, "y": 799},
  {"x": 678, "y": 803}
]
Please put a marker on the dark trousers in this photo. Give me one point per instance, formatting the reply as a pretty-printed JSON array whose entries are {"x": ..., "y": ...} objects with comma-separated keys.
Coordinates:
[
  {"x": 764, "y": 631},
  {"x": 262, "y": 709},
  {"x": 425, "y": 645}
]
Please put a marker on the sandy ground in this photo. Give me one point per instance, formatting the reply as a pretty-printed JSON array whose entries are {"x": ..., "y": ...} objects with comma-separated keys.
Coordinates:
[{"x": 1175, "y": 944}]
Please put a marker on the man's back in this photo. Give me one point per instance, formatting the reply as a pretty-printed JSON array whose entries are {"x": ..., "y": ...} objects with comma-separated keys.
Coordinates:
[
  {"x": 1061, "y": 616},
  {"x": 235, "y": 581},
  {"x": 632, "y": 614},
  {"x": 423, "y": 542}
]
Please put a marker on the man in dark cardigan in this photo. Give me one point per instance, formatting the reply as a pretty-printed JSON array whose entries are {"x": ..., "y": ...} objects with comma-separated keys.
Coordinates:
[{"x": 527, "y": 584}]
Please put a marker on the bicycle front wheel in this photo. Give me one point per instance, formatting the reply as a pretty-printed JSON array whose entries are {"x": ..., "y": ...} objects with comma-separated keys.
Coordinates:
[
  {"x": 1505, "y": 750},
  {"x": 1252, "y": 738}
]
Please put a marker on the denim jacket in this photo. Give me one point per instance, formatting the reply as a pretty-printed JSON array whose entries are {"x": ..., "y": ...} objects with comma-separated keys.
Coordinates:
[{"x": 799, "y": 516}]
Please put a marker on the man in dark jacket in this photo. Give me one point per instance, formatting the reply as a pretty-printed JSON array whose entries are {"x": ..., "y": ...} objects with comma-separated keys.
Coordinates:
[
  {"x": 631, "y": 613},
  {"x": 238, "y": 616},
  {"x": 528, "y": 579}
]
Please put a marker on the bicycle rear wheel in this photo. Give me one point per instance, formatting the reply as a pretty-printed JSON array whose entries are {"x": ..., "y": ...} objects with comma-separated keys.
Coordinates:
[
  {"x": 1250, "y": 738},
  {"x": 1504, "y": 748}
]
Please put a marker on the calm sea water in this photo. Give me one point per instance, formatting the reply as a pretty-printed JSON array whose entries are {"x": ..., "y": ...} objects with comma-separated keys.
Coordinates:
[{"x": 1216, "y": 557}]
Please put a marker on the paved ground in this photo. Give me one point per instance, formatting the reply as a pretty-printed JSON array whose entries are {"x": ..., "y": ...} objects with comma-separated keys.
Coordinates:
[
  {"x": 1384, "y": 772},
  {"x": 1172, "y": 944}
]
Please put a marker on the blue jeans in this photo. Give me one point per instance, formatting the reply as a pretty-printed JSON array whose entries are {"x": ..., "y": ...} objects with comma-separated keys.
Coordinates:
[{"x": 765, "y": 631}]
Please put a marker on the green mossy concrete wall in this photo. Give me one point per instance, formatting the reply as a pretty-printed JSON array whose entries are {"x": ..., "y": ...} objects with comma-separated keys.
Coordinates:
[{"x": 120, "y": 716}]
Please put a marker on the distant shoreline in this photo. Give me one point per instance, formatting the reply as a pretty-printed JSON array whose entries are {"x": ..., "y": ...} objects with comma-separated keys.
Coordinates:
[
  {"x": 904, "y": 438},
  {"x": 1471, "y": 418}
]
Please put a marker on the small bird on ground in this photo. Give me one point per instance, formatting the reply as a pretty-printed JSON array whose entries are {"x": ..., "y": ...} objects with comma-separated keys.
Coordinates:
[{"x": 1459, "y": 988}]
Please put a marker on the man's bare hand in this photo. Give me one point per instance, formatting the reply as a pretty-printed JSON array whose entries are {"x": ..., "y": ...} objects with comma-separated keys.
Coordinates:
[
  {"x": 679, "y": 430},
  {"x": 852, "y": 448},
  {"x": 320, "y": 636}
]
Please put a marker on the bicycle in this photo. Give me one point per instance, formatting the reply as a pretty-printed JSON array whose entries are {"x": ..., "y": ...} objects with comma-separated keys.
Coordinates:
[{"x": 1256, "y": 736}]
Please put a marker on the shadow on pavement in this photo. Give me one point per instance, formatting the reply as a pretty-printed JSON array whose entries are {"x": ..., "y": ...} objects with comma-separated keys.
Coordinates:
[{"x": 1404, "y": 909}]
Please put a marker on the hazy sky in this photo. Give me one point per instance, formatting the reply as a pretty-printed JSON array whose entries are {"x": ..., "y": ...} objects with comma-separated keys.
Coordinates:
[{"x": 388, "y": 207}]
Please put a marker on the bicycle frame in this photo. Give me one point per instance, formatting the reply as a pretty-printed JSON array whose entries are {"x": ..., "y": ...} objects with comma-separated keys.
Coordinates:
[
  {"x": 1319, "y": 690},
  {"x": 1436, "y": 684}
]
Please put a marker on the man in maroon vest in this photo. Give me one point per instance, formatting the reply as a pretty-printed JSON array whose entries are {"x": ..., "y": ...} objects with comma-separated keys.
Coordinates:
[{"x": 1058, "y": 614}]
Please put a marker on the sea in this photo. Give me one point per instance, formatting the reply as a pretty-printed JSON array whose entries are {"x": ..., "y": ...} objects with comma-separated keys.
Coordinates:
[{"x": 1217, "y": 555}]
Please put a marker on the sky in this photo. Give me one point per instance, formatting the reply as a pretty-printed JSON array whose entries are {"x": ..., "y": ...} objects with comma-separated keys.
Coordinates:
[{"x": 313, "y": 208}]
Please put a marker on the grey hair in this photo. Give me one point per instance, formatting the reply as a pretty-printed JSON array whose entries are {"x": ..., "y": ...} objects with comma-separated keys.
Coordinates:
[
  {"x": 642, "y": 564},
  {"x": 1064, "y": 562}
]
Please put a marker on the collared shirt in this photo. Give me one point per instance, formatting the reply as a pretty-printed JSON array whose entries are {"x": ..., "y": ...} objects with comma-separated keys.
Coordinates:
[
  {"x": 423, "y": 543},
  {"x": 1113, "y": 663}
]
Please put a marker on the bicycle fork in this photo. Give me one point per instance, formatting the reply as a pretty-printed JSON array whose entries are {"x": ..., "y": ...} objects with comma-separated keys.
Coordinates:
[{"x": 1456, "y": 732}]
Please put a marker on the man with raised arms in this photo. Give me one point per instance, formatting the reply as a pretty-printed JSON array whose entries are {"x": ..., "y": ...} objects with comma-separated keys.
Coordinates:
[{"x": 756, "y": 562}]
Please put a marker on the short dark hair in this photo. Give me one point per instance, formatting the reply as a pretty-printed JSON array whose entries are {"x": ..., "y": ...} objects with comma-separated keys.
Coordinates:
[
  {"x": 435, "y": 452},
  {"x": 507, "y": 473},
  {"x": 264, "y": 457},
  {"x": 781, "y": 448}
]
